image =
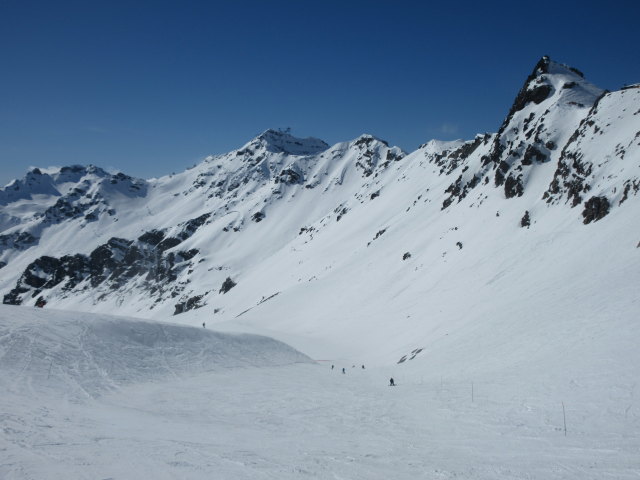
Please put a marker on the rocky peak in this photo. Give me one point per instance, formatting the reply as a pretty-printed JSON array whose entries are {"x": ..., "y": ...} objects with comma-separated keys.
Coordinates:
[
  {"x": 552, "y": 79},
  {"x": 281, "y": 141},
  {"x": 367, "y": 140},
  {"x": 551, "y": 103}
]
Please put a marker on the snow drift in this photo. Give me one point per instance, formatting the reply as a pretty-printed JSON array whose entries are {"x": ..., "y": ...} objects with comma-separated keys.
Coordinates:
[{"x": 95, "y": 353}]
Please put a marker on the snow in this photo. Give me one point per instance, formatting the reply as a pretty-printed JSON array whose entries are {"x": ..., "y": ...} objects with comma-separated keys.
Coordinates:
[
  {"x": 497, "y": 325},
  {"x": 88, "y": 396}
]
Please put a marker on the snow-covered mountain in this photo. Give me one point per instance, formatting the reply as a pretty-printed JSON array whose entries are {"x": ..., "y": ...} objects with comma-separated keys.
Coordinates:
[{"x": 358, "y": 245}]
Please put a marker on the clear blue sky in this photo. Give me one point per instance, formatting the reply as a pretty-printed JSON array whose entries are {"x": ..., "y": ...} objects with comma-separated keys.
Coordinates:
[{"x": 151, "y": 87}]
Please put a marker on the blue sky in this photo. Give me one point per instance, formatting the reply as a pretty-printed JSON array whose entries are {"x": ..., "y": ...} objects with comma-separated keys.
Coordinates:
[{"x": 151, "y": 87}]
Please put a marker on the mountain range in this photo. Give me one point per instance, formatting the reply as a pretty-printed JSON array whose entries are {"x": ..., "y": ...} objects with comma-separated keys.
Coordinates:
[{"x": 359, "y": 248}]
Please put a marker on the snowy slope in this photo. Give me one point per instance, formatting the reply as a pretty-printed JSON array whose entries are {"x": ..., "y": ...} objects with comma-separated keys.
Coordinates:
[
  {"x": 357, "y": 249},
  {"x": 93, "y": 354},
  {"x": 88, "y": 396}
]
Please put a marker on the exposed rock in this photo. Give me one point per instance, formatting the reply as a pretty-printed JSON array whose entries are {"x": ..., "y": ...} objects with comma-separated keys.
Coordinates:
[
  {"x": 513, "y": 186},
  {"x": 227, "y": 285},
  {"x": 289, "y": 177},
  {"x": 113, "y": 265},
  {"x": 153, "y": 237},
  {"x": 595, "y": 209},
  {"x": 190, "y": 304},
  {"x": 17, "y": 241},
  {"x": 258, "y": 217},
  {"x": 532, "y": 154}
]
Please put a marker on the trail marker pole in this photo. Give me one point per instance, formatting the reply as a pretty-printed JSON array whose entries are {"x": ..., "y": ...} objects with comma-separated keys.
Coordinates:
[{"x": 564, "y": 420}]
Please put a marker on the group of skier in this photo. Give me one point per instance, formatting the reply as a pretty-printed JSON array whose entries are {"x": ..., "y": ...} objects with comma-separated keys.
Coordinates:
[{"x": 344, "y": 371}]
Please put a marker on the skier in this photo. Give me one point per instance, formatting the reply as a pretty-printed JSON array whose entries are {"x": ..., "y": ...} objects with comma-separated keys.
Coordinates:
[
  {"x": 343, "y": 371},
  {"x": 203, "y": 325},
  {"x": 332, "y": 367},
  {"x": 391, "y": 382},
  {"x": 363, "y": 367}
]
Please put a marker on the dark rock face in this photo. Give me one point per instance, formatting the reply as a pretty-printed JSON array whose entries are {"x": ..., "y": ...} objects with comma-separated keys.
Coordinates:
[
  {"x": 153, "y": 237},
  {"x": 459, "y": 190},
  {"x": 289, "y": 177},
  {"x": 341, "y": 212},
  {"x": 529, "y": 92},
  {"x": 536, "y": 95},
  {"x": 190, "y": 304},
  {"x": 406, "y": 256},
  {"x": 532, "y": 154},
  {"x": 595, "y": 209},
  {"x": 227, "y": 285},
  {"x": 112, "y": 265},
  {"x": 448, "y": 161},
  {"x": 258, "y": 217},
  {"x": 571, "y": 176},
  {"x": 513, "y": 187},
  {"x": 17, "y": 241},
  {"x": 630, "y": 186},
  {"x": 521, "y": 144},
  {"x": 374, "y": 155}
]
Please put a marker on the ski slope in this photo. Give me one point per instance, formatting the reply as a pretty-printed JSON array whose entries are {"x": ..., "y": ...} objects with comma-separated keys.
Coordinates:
[{"x": 90, "y": 396}]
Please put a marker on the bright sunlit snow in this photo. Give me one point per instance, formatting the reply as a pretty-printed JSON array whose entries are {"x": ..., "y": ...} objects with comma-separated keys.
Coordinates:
[
  {"x": 495, "y": 279},
  {"x": 90, "y": 397}
]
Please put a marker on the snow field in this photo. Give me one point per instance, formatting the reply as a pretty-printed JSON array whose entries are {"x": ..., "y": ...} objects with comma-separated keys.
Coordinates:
[{"x": 257, "y": 412}]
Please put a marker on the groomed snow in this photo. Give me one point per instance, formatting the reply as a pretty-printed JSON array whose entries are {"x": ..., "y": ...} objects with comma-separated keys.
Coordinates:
[{"x": 89, "y": 397}]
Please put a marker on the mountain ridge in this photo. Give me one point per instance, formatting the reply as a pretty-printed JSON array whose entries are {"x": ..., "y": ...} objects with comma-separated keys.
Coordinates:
[{"x": 282, "y": 219}]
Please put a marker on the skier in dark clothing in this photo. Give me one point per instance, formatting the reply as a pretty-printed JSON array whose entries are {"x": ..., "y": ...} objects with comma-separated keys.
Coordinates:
[
  {"x": 391, "y": 382},
  {"x": 343, "y": 371},
  {"x": 332, "y": 367},
  {"x": 203, "y": 325}
]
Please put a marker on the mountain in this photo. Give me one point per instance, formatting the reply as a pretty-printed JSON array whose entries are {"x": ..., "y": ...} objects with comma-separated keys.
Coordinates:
[{"x": 320, "y": 245}]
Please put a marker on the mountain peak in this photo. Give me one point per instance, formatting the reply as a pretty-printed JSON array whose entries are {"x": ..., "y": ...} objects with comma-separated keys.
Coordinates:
[
  {"x": 367, "y": 138},
  {"x": 549, "y": 78},
  {"x": 547, "y": 66},
  {"x": 281, "y": 141}
]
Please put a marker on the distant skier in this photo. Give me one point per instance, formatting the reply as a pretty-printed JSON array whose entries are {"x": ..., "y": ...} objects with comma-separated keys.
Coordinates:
[
  {"x": 343, "y": 370},
  {"x": 203, "y": 325},
  {"x": 391, "y": 382},
  {"x": 363, "y": 367},
  {"x": 332, "y": 367}
]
